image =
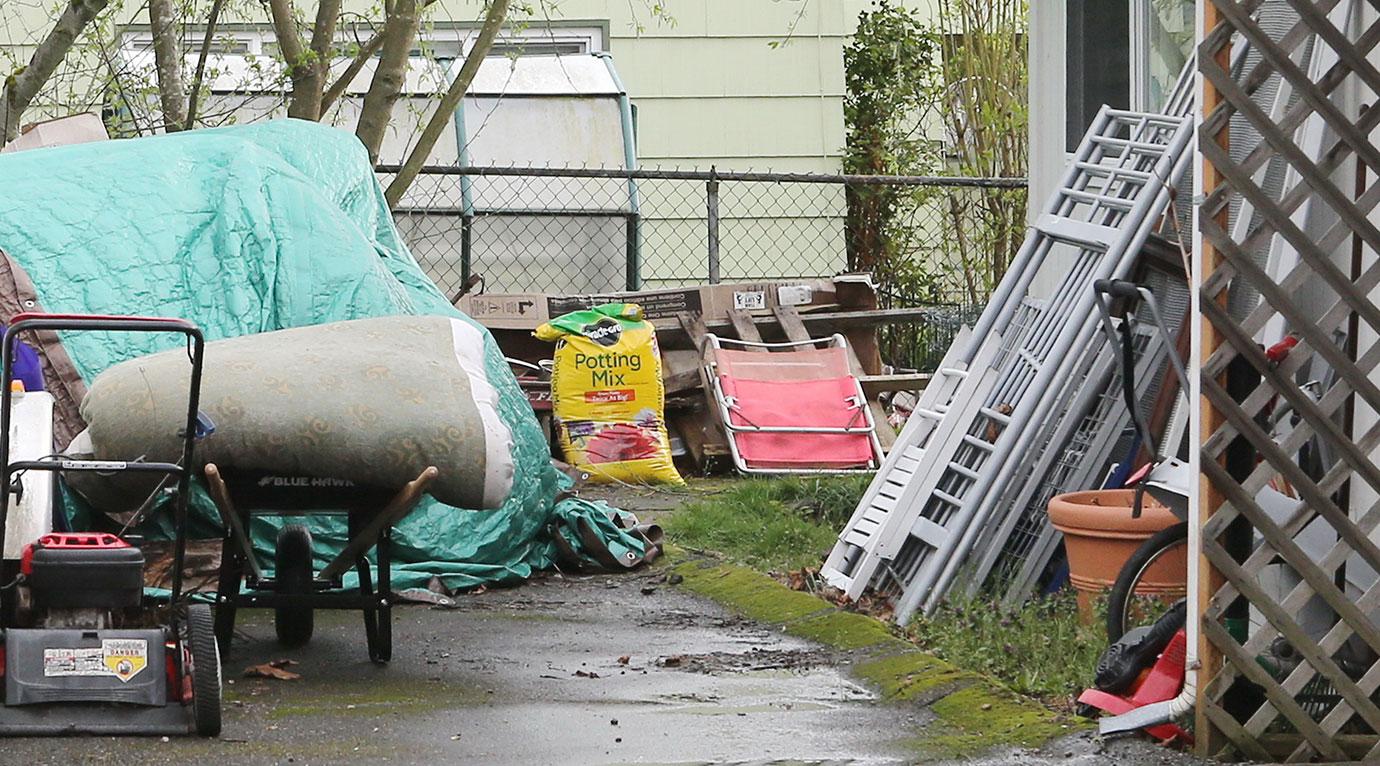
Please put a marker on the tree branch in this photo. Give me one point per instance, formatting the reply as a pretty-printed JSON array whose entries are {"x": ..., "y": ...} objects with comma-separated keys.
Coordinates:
[
  {"x": 23, "y": 85},
  {"x": 366, "y": 52},
  {"x": 338, "y": 88},
  {"x": 493, "y": 23},
  {"x": 399, "y": 32},
  {"x": 199, "y": 77},
  {"x": 285, "y": 29},
  {"x": 167, "y": 57}
]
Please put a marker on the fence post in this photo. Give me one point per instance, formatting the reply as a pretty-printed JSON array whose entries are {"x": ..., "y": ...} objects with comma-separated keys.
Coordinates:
[
  {"x": 711, "y": 193},
  {"x": 465, "y": 247},
  {"x": 634, "y": 250}
]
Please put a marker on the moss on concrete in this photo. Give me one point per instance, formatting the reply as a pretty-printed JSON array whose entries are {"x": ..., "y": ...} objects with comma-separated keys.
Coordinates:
[
  {"x": 754, "y": 595},
  {"x": 841, "y": 630},
  {"x": 912, "y": 675},
  {"x": 982, "y": 716}
]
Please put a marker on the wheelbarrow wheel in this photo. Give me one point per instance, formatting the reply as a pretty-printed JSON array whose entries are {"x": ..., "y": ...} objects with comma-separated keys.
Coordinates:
[
  {"x": 292, "y": 573},
  {"x": 1125, "y": 610},
  {"x": 206, "y": 680}
]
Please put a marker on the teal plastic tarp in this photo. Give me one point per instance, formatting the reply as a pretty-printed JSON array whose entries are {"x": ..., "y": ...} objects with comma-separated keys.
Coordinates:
[{"x": 256, "y": 228}]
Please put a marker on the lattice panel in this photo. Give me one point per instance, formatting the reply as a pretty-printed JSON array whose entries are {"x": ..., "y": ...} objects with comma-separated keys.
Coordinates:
[{"x": 1290, "y": 639}]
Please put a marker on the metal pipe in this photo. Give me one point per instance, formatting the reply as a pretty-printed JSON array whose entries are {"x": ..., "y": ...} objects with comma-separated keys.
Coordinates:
[
  {"x": 711, "y": 197},
  {"x": 704, "y": 175}
]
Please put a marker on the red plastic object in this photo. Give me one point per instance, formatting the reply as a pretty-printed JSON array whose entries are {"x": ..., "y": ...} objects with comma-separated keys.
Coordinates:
[
  {"x": 83, "y": 540},
  {"x": 1278, "y": 352},
  {"x": 798, "y": 389},
  {"x": 1139, "y": 475},
  {"x": 1163, "y": 682},
  {"x": 69, "y": 540},
  {"x": 98, "y": 317}
]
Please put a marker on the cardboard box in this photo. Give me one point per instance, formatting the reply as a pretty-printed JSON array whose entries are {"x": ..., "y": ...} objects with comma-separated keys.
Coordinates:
[
  {"x": 526, "y": 311},
  {"x": 63, "y": 131}
]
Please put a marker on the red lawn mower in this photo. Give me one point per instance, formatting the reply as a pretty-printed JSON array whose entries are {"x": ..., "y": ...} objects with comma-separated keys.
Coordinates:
[{"x": 84, "y": 650}]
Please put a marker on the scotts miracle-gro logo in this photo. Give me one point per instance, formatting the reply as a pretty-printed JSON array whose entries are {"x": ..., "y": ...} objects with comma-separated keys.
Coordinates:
[{"x": 605, "y": 332}]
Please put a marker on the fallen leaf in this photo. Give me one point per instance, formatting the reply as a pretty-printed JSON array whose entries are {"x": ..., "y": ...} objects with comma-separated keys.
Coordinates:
[
  {"x": 273, "y": 669},
  {"x": 625, "y": 659},
  {"x": 674, "y": 661}
]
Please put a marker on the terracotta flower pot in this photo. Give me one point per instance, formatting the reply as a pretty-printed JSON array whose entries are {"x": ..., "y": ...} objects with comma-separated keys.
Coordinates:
[{"x": 1100, "y": 535}]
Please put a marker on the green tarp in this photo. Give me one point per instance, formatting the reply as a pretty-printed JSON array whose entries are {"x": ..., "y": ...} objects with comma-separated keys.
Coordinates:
[{"x": 255, "y": 228}]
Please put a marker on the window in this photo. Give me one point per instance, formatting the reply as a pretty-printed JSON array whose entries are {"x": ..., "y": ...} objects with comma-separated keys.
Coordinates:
[
  {"x": 1161, "y": 41},
  {"x": 539, "y": 48},
  {"x": 1097, "y": 62}
]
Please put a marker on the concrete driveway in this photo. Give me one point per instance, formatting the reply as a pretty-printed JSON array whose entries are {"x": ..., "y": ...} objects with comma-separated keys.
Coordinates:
[{"x": 585, "y": 670}]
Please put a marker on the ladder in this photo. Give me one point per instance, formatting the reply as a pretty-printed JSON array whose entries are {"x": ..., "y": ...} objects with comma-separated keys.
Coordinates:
[
  {"x": 1081, "y": 444},
  {"x": 919, "y": 519}
]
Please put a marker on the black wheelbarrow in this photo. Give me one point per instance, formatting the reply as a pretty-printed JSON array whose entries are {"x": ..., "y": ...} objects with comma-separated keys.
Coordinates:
[{"x": 295, "y": 589}]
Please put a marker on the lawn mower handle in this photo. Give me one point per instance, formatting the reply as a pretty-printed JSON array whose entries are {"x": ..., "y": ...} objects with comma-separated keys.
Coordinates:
[
  {"x": 1117, "y": 288},
  {"x": 1120, "y": 288},
  {"x": 32, "y": 322}
]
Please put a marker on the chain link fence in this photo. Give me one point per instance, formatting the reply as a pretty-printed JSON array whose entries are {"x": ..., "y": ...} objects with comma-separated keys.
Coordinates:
[{"x": 930, "y": 241}]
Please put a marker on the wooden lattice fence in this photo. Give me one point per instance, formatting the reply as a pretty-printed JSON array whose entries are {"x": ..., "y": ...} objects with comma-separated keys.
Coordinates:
[{"x": 1273, "y": 685}]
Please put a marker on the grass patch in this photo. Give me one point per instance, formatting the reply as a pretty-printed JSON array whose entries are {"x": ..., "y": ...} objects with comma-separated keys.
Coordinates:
[
  {"x": 770, "y": 524},
  {"x": 1040, "y": 649}
]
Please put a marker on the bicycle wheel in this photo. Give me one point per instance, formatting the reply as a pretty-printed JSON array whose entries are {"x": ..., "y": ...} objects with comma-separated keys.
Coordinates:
[{"x": 1122, "y": 614}]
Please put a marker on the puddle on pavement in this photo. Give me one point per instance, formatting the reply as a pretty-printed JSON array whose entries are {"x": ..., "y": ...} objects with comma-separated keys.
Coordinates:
[
  {"x": 681, "y": 618},
  {"x": 770, "y": 707},
  {"x": 756, "y": 660},
  {"x": 689, "y": 697}
]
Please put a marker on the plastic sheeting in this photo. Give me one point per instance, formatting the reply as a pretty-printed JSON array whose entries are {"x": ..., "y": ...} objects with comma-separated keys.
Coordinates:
[{"x": 256, "y": 228}]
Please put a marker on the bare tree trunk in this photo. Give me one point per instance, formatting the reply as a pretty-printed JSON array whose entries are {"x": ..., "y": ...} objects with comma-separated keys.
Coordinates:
[
  {"x": 301, "y": 70},
  {"x": 307, "y": 91},
  {"x": 399, "y": 31},
  {"x": 200, "y": 76},
  {"x": 167, "y": 57},
  {"x": 493, "y": 22},
  {"x": 23, "y": 85}
]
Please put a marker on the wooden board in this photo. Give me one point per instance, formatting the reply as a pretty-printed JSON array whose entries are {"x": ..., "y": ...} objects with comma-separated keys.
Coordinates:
[
  {"x": 746, "y": 328},
  {"x": 878, "y": 384},
  {"x": 702, "y": 430},
  {"x": 789, "y": 319}
]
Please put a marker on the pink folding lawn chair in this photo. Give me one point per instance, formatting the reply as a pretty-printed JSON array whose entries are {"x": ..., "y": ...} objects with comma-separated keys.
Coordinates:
[{"x": 798, "y": 409}]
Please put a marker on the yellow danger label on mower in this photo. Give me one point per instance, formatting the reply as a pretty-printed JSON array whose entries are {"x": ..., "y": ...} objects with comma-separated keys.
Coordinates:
[{"x": 125, "y": 657}]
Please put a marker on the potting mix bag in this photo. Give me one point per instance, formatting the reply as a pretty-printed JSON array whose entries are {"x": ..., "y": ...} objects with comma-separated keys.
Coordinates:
[{"x": 607, "y": 395}]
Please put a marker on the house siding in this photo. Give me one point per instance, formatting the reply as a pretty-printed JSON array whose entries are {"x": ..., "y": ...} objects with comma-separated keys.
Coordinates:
[{"x": 711, "y": 89}]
